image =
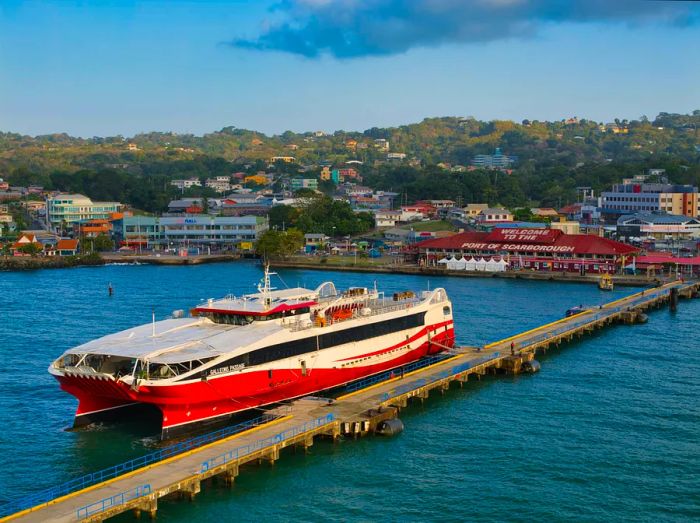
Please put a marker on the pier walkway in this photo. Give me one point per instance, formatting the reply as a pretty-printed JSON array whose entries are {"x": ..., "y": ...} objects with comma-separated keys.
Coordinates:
[{"x": 362, "y": 410}]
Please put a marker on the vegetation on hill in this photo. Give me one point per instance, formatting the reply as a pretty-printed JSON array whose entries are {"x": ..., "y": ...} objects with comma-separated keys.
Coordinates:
[{"x": 553, "y": 158}]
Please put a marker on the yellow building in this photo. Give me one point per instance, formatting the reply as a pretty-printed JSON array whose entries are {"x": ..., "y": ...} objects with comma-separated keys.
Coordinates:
[
  {"x": 473, "y": 210},
  {"x": 566, "y": 226},
  {"x": 258, "y": 179}
]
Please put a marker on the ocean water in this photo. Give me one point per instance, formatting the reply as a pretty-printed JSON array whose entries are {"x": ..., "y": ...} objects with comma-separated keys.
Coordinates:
[{"x": 608, "y": 430}]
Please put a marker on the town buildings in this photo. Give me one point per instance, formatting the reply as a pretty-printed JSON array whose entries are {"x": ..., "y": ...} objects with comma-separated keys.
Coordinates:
[
  {"x": 68, "y": 209},
  {"x": 658, "y": 225},
  {"x": 641, "y": 194},
  {"x": 219, "y": 232}
]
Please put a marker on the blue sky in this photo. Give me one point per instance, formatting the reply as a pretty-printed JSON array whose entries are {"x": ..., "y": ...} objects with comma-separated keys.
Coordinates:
[{"x": 122, "y": 67}]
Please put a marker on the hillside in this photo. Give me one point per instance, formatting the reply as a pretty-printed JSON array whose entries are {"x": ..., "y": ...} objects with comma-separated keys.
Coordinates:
[{"x": 553, "y": 157}]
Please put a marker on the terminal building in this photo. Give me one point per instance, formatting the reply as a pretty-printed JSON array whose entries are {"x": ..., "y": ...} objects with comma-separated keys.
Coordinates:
[
  {"x": 166, "y": 232},
  {"x": 535, "y": 249}
]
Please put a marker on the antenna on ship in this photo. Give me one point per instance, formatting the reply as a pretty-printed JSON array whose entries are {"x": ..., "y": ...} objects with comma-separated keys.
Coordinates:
[{"x": 264, "y": 286}]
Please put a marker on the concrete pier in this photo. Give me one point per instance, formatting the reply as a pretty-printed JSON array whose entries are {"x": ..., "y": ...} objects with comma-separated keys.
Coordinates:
[{"x": 354, "y": 414}]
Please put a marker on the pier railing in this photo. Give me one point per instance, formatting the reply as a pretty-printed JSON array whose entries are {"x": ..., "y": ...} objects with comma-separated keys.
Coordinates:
[
  {"x": 399, "y": 371},
  {"x": 591, "y": 317},
  {"x": 260, "y": 444},
  {"x": 113, "y": 501},
  {"x": 422, "y": 382},
  {"x": 93, "y": 478}
]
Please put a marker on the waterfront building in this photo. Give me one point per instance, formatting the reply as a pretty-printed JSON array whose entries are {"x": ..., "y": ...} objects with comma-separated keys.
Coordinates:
[
  {"x": 72, "y": 208},
  {"x": 536, "y": 249},
  {"x": 93, "y": 228},
  {"x": 66, "y": 247},
  {"x": 497, "y": 160},
  {"x": 640, "y": 194},
  {"x": 659, "y": 225},
  {"x": 196, "y": 230},
  {"x": 314, "y": 241}
]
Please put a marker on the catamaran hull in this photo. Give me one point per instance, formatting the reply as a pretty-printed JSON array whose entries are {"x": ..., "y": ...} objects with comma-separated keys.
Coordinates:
[{"x": 185, "y": 405}]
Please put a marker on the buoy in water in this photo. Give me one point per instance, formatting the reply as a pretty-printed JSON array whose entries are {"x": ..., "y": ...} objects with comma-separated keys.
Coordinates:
[
  {"x": 642, "y": 318},
  {"x": 390, "y": 427},
  {"x": 530, "y": 367}
]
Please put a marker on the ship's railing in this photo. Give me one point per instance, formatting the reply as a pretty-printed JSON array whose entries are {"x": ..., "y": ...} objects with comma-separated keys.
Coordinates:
[
  {"x": 260, "y": 444},
  {"x": 395, "y": 373},
  {"x": 93, "y": 478},
  {"x": 375, "y": 307},
  {"x": 113, "y": 501}
]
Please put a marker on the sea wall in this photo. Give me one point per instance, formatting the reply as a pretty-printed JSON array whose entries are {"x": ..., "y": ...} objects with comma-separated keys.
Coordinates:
[{"x": 26, "y": 263}]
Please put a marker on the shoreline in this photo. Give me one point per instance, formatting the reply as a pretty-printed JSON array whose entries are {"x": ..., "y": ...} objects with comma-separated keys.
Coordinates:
[
  {"x": 622, "y": 280},
  {"x": 9, "y": 263},
  {"x": 168, "y": 259},
  {"x": 30, "y": 263}
]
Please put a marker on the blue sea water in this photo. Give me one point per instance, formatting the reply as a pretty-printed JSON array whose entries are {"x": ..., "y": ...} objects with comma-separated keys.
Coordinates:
[{"x": 608, "y": 430}]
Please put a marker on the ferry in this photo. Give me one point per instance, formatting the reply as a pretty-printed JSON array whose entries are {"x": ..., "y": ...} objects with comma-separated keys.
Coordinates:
[{"x": 239, "y": 353}]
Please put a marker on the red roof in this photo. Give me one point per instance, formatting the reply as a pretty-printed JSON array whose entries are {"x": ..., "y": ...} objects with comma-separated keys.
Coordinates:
[
  {"x": 570, "y": 209},
  {"x": 661, "y": 258},
  {"x": 558, "y": 243},
  {"x": 67, "y": 245}
]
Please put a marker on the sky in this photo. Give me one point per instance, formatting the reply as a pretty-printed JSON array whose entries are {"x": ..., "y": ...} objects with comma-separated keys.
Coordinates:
[{"x": 98, "y": 68}]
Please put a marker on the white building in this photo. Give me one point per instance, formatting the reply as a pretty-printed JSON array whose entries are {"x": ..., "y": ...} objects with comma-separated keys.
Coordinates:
[
  {"x": 396, "y": 156},
  {"x": 186, "y": 184},
  {"x": 219, "y": 184},
  {"x": 496, "y": 214},
  {"x": 387, "y": 218},
  {"x": 381, "y": 144},
  {"x": 72, "y": 208}
]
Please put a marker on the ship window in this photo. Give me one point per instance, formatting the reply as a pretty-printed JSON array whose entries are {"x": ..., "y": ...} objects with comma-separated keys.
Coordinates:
[
  {"x": 446, "y": 311},
  {"x": 331, "y": 339}
]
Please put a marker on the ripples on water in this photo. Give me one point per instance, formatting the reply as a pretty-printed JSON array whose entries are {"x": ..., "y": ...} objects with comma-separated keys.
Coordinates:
[{"x": 608, "y": 430}]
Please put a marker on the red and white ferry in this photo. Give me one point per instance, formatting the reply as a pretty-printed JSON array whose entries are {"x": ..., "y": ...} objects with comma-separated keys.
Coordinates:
[{"x": 234, "y": 354}]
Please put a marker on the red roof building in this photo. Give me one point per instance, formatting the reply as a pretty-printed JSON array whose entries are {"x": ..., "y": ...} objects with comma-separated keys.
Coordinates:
[
  {"x": 66, "y": 247},
  {"x": 538, "y": 249}
]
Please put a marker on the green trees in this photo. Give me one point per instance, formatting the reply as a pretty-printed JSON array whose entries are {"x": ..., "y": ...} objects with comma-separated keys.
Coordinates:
[
  {"x": 30, "y": 248},
  {"x": 279, "y": 244},
  {"x": 322, "y": 214},
  {"x": 102, "y": 243}
]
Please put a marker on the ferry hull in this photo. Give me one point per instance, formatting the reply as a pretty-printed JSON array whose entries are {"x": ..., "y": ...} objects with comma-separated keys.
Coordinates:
[{"x": 185, "y": 405}]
